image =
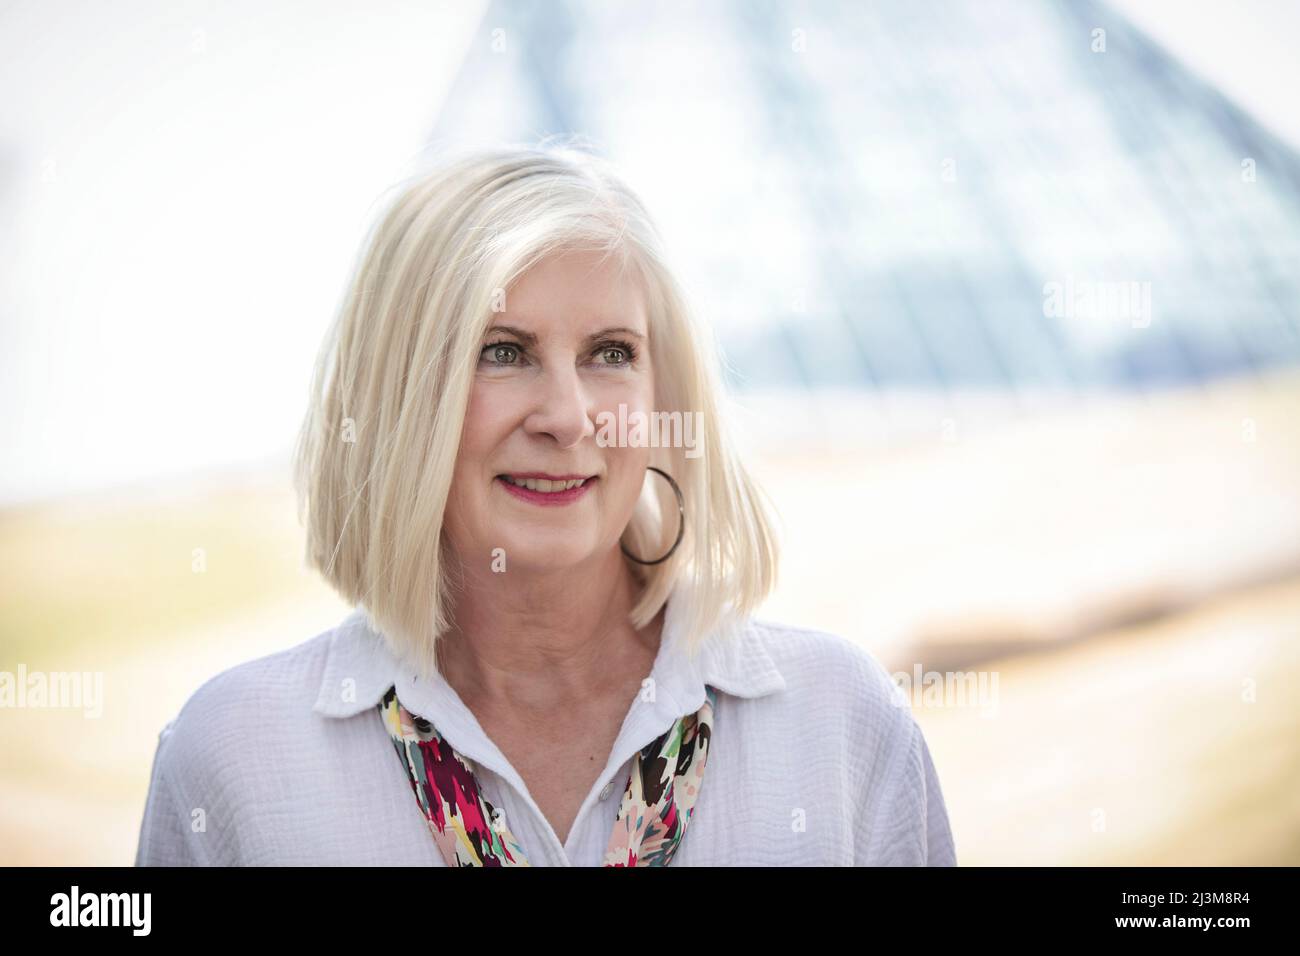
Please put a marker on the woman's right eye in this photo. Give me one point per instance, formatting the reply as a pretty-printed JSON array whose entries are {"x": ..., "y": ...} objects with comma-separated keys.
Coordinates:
[{"x": 502, "y": 353}]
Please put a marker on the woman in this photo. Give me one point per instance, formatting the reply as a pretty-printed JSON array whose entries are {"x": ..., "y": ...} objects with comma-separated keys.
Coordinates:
[{"x": 553, "y": 658}]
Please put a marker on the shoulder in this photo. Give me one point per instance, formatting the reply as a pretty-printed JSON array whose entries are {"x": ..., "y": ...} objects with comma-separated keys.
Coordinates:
[
  {"x": 825, "y": 665},
  {"x": 279, "y": 685},
  {"x": 839, "y": 694},
  {"x": 218, "y": 761},
  {"x": 848, "y": 710},
  {"x": 229, "y": 719}
]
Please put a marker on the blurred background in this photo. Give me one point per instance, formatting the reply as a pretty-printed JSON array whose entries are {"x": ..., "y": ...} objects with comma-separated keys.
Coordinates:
[{"x": 1008, "y": 294}]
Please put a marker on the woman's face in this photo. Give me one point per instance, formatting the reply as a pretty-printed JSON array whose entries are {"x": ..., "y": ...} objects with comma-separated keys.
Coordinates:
[{"x": 570, "y": 344}]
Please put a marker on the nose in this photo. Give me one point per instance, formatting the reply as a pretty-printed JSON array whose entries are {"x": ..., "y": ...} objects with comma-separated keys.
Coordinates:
[{"x": 562, "y": 409}]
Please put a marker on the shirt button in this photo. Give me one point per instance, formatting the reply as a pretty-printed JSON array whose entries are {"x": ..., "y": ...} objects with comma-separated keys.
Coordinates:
[{"x": 605, "y": 792}]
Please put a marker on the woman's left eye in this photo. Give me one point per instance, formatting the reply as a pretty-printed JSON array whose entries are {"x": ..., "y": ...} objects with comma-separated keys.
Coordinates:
[{"x": 616, "y": 354}]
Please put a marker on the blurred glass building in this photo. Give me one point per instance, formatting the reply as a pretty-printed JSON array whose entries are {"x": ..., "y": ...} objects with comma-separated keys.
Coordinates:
[{"x": 919, "y": 193}]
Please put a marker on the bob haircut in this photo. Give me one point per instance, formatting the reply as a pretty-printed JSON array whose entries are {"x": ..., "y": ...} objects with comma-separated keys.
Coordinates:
[{"x": 374, "y": 458}]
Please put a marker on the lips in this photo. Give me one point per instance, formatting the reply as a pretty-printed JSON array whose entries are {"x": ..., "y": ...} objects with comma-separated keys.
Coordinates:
[
  {"x": 540, "y": 481},
  {"x": 546, "y": 489}
]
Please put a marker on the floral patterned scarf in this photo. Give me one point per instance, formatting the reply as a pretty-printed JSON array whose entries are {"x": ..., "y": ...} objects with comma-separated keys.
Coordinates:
[{"x": 658, "y": 798}]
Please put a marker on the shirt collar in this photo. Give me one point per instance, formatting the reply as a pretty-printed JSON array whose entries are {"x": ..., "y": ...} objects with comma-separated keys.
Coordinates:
[{"x": 360, "y": 668}]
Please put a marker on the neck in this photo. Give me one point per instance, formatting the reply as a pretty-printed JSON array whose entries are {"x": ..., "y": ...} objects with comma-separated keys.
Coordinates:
[{"x": 534, "y": 641}]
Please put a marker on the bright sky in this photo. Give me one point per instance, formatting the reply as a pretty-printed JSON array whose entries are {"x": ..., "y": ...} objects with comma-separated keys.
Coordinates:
[
  {"x": 1245, "y": 48},
  {"x": 182, "y": 189}
]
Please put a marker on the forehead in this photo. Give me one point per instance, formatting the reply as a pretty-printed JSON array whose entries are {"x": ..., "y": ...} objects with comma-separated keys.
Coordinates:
[{"x": 577, "y": 288}]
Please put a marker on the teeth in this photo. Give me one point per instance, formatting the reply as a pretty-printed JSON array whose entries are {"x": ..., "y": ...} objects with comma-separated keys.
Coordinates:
[{"x": 544, "y": 484}]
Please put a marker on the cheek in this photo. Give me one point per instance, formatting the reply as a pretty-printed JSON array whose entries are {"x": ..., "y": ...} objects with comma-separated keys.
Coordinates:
[
  {"x": 489, "y": 419},
  {"x": 626, "y": 469},
  {"x": 626, "y": 466},
  {"x": 634, "y": 392},
  {"x": 478, "y": 439}
]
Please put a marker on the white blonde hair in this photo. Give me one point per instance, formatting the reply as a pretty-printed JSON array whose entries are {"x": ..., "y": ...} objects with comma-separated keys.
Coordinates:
[{"x": 374, "y": 460}]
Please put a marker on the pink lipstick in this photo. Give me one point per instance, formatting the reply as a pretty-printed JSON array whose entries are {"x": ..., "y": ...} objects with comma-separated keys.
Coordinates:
[{"x": 546, "y": 489}]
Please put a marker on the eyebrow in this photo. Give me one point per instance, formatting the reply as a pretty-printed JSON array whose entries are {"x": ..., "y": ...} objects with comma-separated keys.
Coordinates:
[{"x": 528, "y": 338}]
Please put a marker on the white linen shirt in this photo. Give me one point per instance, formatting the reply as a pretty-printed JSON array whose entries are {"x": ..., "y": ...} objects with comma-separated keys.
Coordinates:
[{"x": 285, "y": 760}]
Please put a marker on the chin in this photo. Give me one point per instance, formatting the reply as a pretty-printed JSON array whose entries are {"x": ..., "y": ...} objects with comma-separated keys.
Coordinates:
[{"x": 547, "y": 552}]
